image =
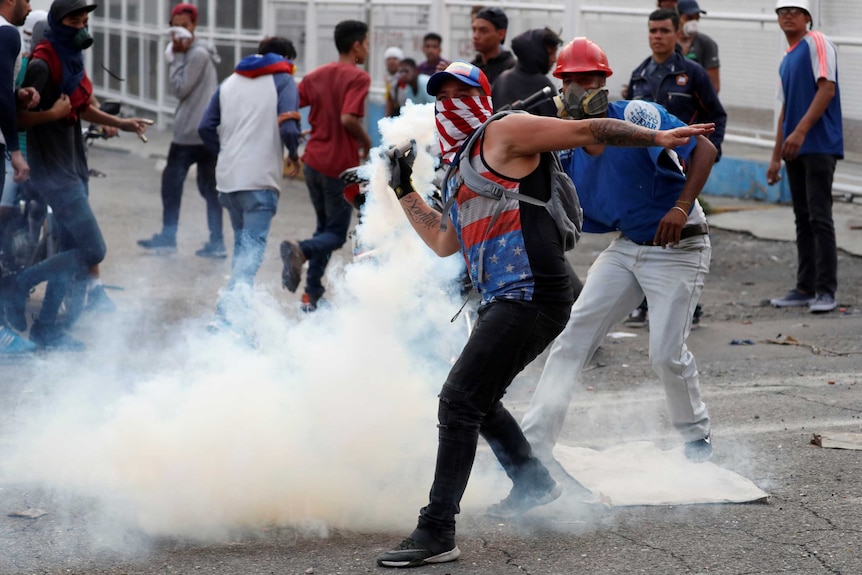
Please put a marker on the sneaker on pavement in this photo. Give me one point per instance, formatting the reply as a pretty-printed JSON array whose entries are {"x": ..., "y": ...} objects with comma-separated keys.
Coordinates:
[
  {"x": 11, "y": 343},
  {"x": 14, "y": 301},
  {"x": 521, "y": 500},
  {"x": 160, "y": 243},
  {"x": 822, "y": 303},
  {"x": 638, "y": 318},
  {"x": 412, "y": 554},
  {"x": 220, "y": 326},
  {"x": 695, "y": 317},
  {"x": 309, "y": 303},
  {"x": 213, "y": 250},
  {"x": 793, "y": 297},
  {"x": 98, "y": 300},
  {"x": 53, "y": 336},
  {"x": 292, "y": 258},
  {"x": 699, "y": 450}
]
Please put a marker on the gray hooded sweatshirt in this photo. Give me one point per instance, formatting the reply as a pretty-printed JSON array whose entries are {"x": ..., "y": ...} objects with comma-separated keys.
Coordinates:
[{"x": 193, "y": 80}]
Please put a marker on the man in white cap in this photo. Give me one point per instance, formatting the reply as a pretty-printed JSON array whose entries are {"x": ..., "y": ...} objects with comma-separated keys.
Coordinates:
[
  {"x": 810, "y": 139},
  {"x": 392, "y": 57}
]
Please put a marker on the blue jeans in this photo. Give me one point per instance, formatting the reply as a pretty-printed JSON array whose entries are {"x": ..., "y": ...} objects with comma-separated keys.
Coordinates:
[
  {"x": 810, "y": 179},
  {"x": 251, "y": 213},
  {"x": 333, "y": 221},
  {"x": 81, "y": 247},
  {"x": 180, "y": 159},
  {"x": 507, "y": 336}
]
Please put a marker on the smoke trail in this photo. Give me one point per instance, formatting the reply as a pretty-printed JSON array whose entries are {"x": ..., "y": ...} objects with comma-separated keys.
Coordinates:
[{"x": 331, "y": 422}]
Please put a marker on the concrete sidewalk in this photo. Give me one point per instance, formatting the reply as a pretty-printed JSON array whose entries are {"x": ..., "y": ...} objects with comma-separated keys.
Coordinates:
[{"x": 775, "y": 222}]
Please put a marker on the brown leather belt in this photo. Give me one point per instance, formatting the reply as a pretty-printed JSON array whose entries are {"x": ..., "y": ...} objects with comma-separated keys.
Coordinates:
[{"x": 687, "y": 232}]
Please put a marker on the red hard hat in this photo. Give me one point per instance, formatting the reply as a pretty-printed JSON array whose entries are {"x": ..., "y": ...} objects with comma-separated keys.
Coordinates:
[{"x": 582, "y": 55}]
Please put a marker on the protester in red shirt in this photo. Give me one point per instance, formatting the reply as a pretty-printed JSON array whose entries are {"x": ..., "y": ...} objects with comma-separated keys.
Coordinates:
[{"x": 336, "y": 93}]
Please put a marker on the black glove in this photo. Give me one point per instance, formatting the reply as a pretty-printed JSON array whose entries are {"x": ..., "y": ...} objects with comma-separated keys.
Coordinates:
[{"x": 402, "y": 169}]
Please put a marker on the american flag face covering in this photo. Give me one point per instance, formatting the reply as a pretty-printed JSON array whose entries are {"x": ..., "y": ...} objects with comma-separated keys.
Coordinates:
[{"x": 457, "y": 118}]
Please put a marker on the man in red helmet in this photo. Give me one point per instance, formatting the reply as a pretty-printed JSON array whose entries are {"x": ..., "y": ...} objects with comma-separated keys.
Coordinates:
[
  {"x": 517, "y": 264},
  {"x": 662, "y": 252}
]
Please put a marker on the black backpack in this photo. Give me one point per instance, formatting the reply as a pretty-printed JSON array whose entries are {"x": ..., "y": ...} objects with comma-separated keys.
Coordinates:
[{"x": 563, "y": 205}]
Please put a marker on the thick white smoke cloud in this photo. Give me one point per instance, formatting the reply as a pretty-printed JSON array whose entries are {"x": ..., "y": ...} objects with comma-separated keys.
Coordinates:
[{"x": 330, "y": 423}]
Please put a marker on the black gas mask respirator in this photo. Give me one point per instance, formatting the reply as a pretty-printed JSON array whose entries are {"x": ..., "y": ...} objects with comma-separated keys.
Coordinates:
[
  {"x": 577, "y": 103},
  {"x": 82, "y": 39}
]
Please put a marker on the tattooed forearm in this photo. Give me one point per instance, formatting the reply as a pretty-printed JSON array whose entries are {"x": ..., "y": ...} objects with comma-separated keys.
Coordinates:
[
  {"x": 420, "y": 213},
  {"x": 621, "y": 133}
]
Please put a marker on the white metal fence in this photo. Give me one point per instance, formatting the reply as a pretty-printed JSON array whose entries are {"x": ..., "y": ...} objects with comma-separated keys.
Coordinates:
[{"x": 130, "y": 38}]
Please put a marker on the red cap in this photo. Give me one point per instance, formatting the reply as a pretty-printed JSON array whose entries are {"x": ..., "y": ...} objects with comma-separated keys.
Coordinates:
[{"x": 189, "y": 9}]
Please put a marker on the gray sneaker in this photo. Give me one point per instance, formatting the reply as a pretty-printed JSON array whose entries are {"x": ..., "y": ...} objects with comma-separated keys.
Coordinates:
[
  {"x": 412, "y": 554},
  {"x": 699, "y": 450},
  {"x": 822, "y": 304},
  {"x": 213, "y": 250},
  {"x": 519, "y": 501},
  {"x": 792, "y": 298},
  {"x": 160, "y": 244}
]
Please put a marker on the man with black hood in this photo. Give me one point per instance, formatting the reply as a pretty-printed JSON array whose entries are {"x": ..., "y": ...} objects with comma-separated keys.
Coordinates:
[
  {"x": 536, "y": 51},
  {"x": 55, "y": 150},
  {"x": 489, "y": 33}
]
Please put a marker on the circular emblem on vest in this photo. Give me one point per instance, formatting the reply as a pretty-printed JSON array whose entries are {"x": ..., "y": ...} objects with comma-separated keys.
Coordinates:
[{"x": 643, "y": 114}]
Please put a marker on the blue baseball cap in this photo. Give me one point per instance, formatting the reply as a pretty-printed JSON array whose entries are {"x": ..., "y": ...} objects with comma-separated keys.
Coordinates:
[{"x": 464, "y": 72}]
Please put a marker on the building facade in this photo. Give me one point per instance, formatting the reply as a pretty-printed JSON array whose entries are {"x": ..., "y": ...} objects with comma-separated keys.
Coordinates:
[{"x": 127, "y": 63}]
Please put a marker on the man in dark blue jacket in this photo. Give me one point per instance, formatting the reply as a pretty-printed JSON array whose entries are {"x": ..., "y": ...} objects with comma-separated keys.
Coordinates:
[
  {"x": 677, "y": 83},
  {"x": 683, "y": 87}
]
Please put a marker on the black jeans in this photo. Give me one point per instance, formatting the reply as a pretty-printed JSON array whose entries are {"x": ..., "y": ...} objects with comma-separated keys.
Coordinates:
[
  {"x": 507, "y": 336},
  {"x": 180, "y": 159},
  {"x": 333, "y": 221},
  {"x": 810, "y": 179}
]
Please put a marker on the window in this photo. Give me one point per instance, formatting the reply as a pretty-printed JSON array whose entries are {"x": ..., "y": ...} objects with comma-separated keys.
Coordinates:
[
  {"x": 151, "y": 13},
  {"x": 115, "y": 61},
  {"x": 99, "y": 46},
  {"x": 251, "y": 15},
  {"x": 226, "y": 16},
  {"x": 133, "y": 67},
  {"x": 115, "y": 10},
  {"x": 133, "y": 11},
  {"x": 154, "y": 50},
  {"x": 228, "y": 60}
]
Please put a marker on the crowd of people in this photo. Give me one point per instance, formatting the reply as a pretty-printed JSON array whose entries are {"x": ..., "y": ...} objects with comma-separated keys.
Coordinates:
[{"x": 639, "y": 165}]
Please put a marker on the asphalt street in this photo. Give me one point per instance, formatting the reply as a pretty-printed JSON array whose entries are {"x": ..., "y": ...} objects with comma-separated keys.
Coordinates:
[{"x": 766, "y": 401}]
